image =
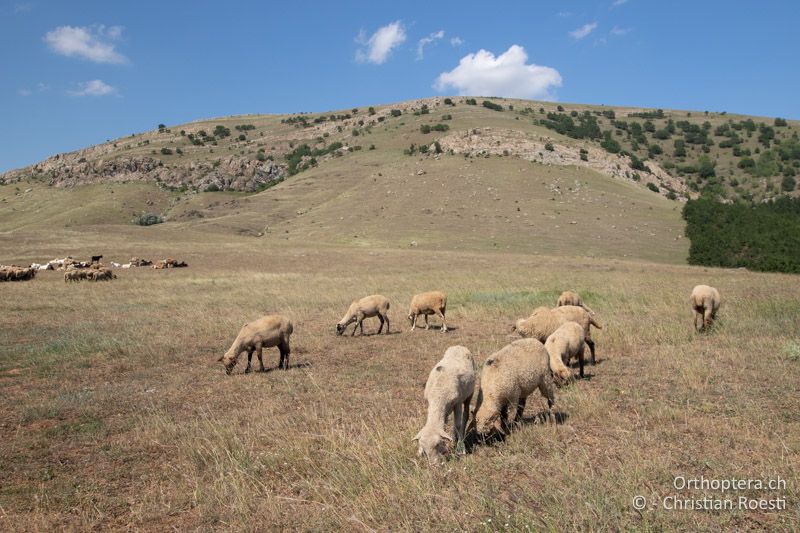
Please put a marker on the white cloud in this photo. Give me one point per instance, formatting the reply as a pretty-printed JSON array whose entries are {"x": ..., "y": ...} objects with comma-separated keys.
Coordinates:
[
  {"x": 483, "y": 74},
  {"x": 425, "y": 41},
  {"x": 583, "y": 31},
  {"x": 618, "y": 3},
  {"x": 24, "y": 92},
  {"x": 456, "y": 41},
  {"x": 92, "y": 43},
  {"x": 564, "y": 14},
  {"x": 93, "y": 88},
  {"x": 619, "y": 32},
  {"x": 380, "y": 44}
]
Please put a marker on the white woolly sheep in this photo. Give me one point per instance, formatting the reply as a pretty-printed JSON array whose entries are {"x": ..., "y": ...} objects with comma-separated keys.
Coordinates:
[
  {"x": 448, "y": 390},
  {"x": 705, "y": 304},
  {"x": 428, "y": 303},
  {"x": 571, "y": 298},
  {"x": 509, "y": 376},
  {"x": 369, "y": 306},
  {"x": 543, "y": 322},
  {"x": 565, "y": 343},
  {"x": 267, "y": 331}
]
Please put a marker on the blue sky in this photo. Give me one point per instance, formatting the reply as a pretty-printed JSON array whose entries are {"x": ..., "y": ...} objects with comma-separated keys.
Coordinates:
[{"x": 77, "y": 73}]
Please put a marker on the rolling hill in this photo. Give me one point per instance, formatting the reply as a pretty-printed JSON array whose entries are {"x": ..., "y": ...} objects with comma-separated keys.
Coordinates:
[{"x": 442, "y": 173}]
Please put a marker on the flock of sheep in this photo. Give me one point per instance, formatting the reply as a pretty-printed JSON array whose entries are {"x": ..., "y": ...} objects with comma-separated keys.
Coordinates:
[
  {"x": 551, "y": 338},
  {"x": 74, "y": 270}
]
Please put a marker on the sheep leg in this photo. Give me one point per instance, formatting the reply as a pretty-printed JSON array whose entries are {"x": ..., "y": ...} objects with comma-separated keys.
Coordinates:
[
  {"x": 590, "y": 342},
  {"x": 444, "y": 323},
  {"x": 283, "y": 347},
  {"x": 520, "y": 409},
  {"x": 458, "y": 431},
  {"x": 427, "y": 326},
  {"x": 249, "y": 360},
  {"x": 414, "y": 323},
  {"x": 707, "y": 319},
  {"x": 504, "y": 419},
  {"x": 580, "y": 359},
  {"x": 696, "y": 316},
  {"x": 546, "y": 388},
  {"x": 380, "y": 328},
  {"x": 465, "y": 416},
  {"x": 355, "y": 327},
  {"x": 259, "y": 354},
  {"x": 387, "y": 323}
]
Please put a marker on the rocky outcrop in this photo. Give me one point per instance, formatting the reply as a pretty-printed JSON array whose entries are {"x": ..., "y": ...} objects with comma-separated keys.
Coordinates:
[
  {"x": 229, "y": 173},
  {"x": 485, "y": 142}
]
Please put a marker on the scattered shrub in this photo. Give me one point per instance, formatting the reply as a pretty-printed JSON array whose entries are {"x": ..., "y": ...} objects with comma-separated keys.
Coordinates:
[
  {"x": 166, "y": 151},
  {"x": 653, "y": 187},
  {"x": 148, "y": 219}
]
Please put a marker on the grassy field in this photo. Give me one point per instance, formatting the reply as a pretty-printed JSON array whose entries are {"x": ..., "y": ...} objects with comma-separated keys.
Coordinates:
[{"x": 117, "y": 415}]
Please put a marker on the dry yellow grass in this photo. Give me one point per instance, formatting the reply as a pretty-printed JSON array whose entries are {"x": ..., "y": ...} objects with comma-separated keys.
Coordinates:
[{"x": 115, "y": 413}]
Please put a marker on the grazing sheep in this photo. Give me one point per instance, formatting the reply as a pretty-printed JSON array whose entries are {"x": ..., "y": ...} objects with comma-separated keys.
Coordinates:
[
  {"x": 428, "y": 303},
  {"x": 369, "y": 306},
  {"x": 16, "y": 273},
  {"x": 115, "y": 265},
  {"x": 565, "y": 343},
  {"x": 448, "y": 390},
  {"x": 509, "y": 376},
  {"x": 571, "y": 298},
  {"x": 543, "y": 322},
  {"x": 72, "y": 275},
  {"x": 127, "y": 265},
  {"x": 705, "y": 304},
  {"x": 267, "y": 331},
  {"x": 100, "y": 274}
]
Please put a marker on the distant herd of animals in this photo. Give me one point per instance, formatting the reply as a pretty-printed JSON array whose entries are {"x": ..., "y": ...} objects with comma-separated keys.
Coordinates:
[
  {"x": 74, "y": 270},
  {"x": 551, "y": 338}
]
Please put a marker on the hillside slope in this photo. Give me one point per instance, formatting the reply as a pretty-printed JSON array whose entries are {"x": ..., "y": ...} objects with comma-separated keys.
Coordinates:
[{"x": 438, "y": 173}]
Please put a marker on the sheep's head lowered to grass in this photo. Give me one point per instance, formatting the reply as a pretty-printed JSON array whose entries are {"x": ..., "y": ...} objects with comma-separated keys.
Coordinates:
[
  {"x": 229, "y": 361},
  {"x": 433, "y": 445}
]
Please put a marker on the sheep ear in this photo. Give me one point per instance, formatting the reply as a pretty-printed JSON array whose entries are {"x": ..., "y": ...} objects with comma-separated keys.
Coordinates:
[
  {"x": 418, "y": 436},
  {"x": 439, "y": 368},
  {"x": 444, "y": 435}
]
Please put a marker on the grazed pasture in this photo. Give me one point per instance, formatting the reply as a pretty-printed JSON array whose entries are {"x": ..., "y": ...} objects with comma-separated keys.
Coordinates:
[{"x": 116, "y": 414}]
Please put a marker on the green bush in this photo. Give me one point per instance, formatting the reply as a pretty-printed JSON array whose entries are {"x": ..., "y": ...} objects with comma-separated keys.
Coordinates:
[
  {"x": 470, "y": 101},
  {"x": 763, "y": 236},
  {"x": 448, "y": 101},
  {"x": 212, "y": 188},
  {"x": 491, "y": 105},
  {"x": 788, "y": 183},
  {"x": 166, "y": 151},
  {"x": 395, "y": 112},
  {"x": 653, "y": 187},
  {"x": 549, "y": 146},
  {"x": 221, "y": 132},
  {"x": 780, "y": 122},
  {"x": 148, "y": 219}
]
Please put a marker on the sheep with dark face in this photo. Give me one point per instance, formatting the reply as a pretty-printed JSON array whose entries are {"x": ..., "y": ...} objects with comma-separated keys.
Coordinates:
[
  {"x": 705, "y": 302},
  {"x": 268, "y": 331},
  {"x": 369, "y": 306},
  {"x": 448, "y": 390}
]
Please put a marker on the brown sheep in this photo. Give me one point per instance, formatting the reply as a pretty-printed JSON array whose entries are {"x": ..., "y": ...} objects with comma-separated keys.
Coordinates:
[
  {"x": 268, "y": 331},
  {"x": 369, "y": 306},
  {"x": 509, "y": 376},
  {"x": 428, "y": 303},
  {"x": 543, "y": 322},
  {"x": 571, "y": 298},
  {"x": 565, "y": 343},
  {"x": 705, "y": 302}
]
